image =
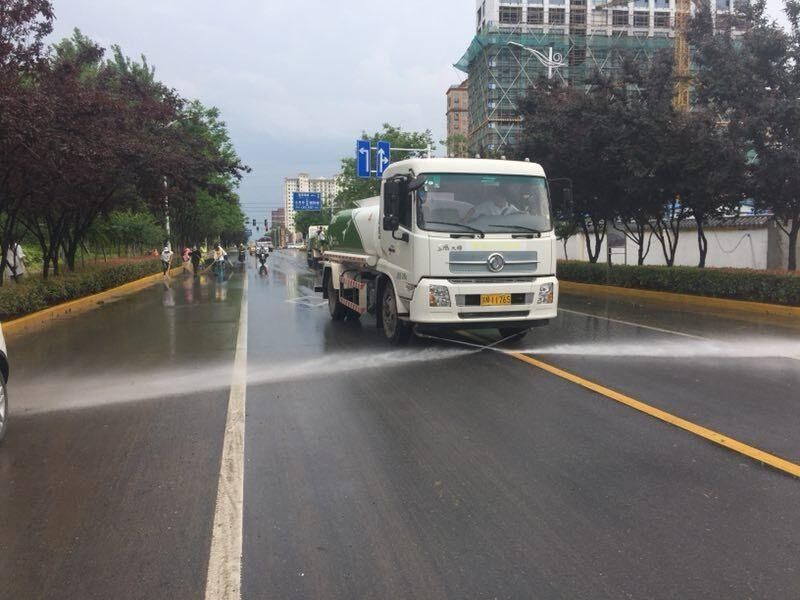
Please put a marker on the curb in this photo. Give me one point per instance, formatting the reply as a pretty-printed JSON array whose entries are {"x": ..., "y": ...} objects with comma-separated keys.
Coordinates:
[
  {"x": 698, "y": 303},
  {"x": 45, "y": 317}
]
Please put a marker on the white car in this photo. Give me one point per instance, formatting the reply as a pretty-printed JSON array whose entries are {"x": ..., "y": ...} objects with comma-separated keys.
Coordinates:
[{"x": 3, "y": 380}]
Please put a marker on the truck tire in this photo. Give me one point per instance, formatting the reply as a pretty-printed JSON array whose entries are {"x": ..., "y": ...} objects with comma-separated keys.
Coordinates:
[
  {"x": 507, "y": 332},
  {"x": 3, "y": 408},
  {"x": 396, "y": 331},
  {"x": 336, "y": 309}
]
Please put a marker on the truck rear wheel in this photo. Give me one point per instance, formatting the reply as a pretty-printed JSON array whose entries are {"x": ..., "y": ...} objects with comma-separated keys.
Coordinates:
[
  {"x": 336, "y": 309},
  {"x": 396, "y": 331}
]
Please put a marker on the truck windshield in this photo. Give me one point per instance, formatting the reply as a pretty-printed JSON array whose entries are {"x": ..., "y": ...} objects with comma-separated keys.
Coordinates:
[{"x": 489, "y": 203}]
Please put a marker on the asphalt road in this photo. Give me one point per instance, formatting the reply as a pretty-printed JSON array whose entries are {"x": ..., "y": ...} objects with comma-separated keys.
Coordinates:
[{"x": 437, "y": 471}]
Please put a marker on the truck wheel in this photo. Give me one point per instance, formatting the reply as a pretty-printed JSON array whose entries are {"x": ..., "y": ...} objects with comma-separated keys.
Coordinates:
[
  {"x": 395, "y": 330},
  {"x": 336, "y": 309},
  {"x": 507, "y": 332},
  {"x": 3, "y": 408}
]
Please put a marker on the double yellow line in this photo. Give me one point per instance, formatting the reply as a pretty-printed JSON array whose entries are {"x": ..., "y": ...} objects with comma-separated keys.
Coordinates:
[{"x": 709, "y": 434}]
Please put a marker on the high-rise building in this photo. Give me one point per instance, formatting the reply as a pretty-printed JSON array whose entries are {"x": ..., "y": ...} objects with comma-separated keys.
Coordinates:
[
  {"x": 278, "y": 218},
  {"x": 589, "y": 35},
  {"x": 457, "y": 120},
  {"x": 328, "y": 188}
]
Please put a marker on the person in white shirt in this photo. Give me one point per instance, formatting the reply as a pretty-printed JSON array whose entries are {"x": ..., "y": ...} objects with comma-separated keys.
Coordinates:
[
  {"x": 497, "y": 205},
  {"x": 166, "y": 259},
  {"x": 15, "y": 261}
]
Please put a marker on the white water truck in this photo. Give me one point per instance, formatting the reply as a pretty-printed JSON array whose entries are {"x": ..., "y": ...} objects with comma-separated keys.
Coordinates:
[{"x": 449, "y": 243}]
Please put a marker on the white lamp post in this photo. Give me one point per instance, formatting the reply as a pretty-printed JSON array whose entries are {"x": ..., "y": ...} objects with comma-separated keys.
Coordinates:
[{"x": 551, "y": 60}]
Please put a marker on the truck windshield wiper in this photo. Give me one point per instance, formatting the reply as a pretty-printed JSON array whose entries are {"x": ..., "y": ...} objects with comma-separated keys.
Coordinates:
[
  {"x": 520, "y": 227},
  {"x": 465, "y": 227}
]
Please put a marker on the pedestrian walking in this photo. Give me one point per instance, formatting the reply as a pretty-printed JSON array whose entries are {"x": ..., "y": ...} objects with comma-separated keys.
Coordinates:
[
  {"x": 196, "y": 256},
  {"x": 166, "y": 259},
  {"x": 15, "y": 261}
]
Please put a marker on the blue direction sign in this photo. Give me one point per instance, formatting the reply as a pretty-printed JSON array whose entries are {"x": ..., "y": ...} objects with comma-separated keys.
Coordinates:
[
  {"x": 307, "y": 201},
  {"x": 363, "y": 162},
  {"x": 382, "y": 157}
]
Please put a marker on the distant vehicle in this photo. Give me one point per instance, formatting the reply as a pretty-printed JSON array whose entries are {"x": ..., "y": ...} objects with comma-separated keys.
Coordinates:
[
  {"x": 4, "y": 370},
  {"x": 449, "y": 243},
  {"x": 262, "y": 245}
]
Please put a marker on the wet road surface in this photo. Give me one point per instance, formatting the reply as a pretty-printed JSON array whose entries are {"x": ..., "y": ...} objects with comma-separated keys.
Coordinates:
[{"x": 436, "y": 471}]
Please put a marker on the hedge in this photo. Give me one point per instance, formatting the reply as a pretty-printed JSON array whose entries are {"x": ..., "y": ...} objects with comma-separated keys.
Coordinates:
[
  {"x": 33, "y": 293},
  {"x": 733, "y": 284}
]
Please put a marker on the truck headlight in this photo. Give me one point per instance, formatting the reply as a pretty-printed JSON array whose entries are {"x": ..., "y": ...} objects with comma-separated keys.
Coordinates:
[
  {"x": 439, "y": 296},
  {"x": 545, "y": 295}
]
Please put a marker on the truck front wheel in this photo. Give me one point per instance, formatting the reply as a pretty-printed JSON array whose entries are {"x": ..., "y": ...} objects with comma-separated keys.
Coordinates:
[
  {"x": 336, "y": 309},
  {"x": 396, "y": 331}
]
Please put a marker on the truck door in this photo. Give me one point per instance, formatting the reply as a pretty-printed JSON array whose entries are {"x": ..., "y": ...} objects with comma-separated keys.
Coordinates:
[{"x": 396, "y": 233}]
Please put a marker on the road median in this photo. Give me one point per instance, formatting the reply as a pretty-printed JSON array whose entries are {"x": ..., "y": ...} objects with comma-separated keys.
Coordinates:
[
  {"x": 704, "y": 304},
  {"x": 138, "y": 276}
]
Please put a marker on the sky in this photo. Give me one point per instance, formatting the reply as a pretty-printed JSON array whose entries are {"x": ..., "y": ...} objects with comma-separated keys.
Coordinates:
[{"x": 296, "y": 81}]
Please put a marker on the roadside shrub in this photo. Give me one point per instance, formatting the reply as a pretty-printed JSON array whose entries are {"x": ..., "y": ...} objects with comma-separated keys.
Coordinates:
[
  {"x": 34, "y": 294},
  {"x": 733, "y": 284}
]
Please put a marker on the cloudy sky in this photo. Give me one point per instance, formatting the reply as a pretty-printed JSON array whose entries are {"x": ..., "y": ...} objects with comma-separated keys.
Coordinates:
[{"x": 297, "y": 81}]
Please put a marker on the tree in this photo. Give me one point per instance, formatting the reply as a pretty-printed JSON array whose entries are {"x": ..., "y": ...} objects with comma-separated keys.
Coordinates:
[
  {"x": 104, "y": 135},
  {"x": 353, "y": 188},
  {"x": 573, "y": 134},
  {"x": 752, "y": 83},
  {"x": 24, "y": 24}
]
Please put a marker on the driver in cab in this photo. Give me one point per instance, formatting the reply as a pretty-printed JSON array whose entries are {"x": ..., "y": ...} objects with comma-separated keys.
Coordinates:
[{"x": 496, "y": 204}]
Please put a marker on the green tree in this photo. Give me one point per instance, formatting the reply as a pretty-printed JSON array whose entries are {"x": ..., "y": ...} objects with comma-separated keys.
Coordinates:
[
  {"x": 751, "y": 83},
  {"x": 354, "y": 188}
]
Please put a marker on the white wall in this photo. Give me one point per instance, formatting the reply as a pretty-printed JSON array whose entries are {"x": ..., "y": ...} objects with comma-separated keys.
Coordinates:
[{"x": 746, "y": 249}]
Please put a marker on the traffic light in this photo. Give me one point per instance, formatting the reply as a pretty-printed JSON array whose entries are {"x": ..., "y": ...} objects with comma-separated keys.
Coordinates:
[
  {"x": 254, "y": 222},
  {"x": 265, "y": 225}
]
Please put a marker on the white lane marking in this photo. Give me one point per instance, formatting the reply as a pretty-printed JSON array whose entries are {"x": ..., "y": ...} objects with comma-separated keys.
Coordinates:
[
  {"x": 629, "y": 323},
  {"x": 224, "y": 578}
]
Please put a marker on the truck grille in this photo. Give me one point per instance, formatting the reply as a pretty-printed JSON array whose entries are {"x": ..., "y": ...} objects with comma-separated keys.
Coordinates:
[{"x": 476, "y": 262}]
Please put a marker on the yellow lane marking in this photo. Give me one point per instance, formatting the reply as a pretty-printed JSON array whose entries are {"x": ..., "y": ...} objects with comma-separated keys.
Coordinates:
[{"x": 708, "y": 434}]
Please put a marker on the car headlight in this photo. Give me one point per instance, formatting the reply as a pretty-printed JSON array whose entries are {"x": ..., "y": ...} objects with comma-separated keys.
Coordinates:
[
  {"x": 439, "y": 296},
  {"x": 545, "y": 295}
]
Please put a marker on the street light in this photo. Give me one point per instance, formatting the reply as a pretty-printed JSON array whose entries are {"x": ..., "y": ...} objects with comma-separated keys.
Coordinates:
[{"x": 551, "y": 60}]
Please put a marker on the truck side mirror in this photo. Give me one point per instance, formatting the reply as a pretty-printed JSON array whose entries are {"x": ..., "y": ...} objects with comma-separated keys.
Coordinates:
[{"x": 393, "y": 191}]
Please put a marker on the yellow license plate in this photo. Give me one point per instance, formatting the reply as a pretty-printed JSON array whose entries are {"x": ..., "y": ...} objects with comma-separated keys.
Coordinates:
[{"x": 495, "y": 299}]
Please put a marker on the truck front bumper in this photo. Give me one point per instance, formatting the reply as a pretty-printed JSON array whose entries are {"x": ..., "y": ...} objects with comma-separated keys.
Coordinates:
[{"x": 530, "y": 302}]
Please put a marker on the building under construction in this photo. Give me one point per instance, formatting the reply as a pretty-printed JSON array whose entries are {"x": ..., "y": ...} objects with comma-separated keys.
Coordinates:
[{"x": 518, "y": 42}]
